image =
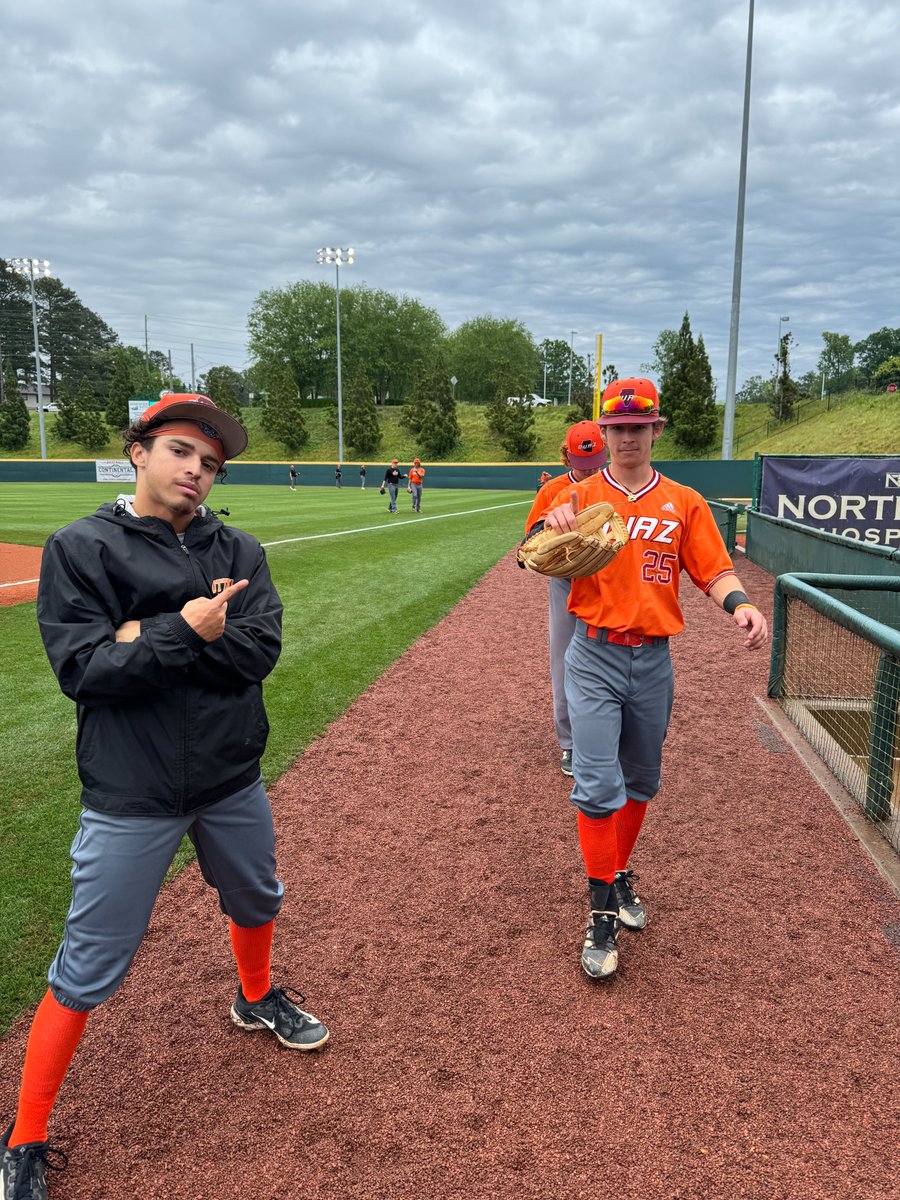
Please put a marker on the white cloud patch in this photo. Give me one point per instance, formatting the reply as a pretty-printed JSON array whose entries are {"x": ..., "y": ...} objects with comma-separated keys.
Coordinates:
[{"x": 571, "y": 166}]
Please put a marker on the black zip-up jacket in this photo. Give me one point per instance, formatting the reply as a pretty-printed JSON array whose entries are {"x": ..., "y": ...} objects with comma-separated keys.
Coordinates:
[{"x": 169, "y": 722}]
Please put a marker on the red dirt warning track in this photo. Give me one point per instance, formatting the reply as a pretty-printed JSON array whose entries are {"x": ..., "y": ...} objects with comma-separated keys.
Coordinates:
[
  {"x": 17, "y": 564},
  {"x": 434, "y": 915}
]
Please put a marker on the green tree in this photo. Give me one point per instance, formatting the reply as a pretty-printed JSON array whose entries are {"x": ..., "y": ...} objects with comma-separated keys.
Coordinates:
[
  {"x": 836, "y": 361},
  {"x": 755, "y": 390},
  {"x": 785, "y": 392},
  {"x": 439, "y": 431},
  {"x": 509, "y": 415},
  {"x": 877, "y": 348},
  {"x": 888, "y": 372},
  {"x": 609, "y": 374},
  {"x": 283, "y": 416},
  {"x": 554, "y": 353},
  {"x": 15, "y": 423},
  {"x": 90, "y": 430},
  {"x": 687, "y": 391},
  {"x": 478, "y": 347},
  {"x": 227, "y": 388},
  {"x": 73, "y": 339},
  {"x": 665, "y": 351},
  {"x": 64, "y": 428},
  {"x": 121, "y": 389},
  {"x": 362, "y": 431},
  {"x": 16, "y": 337},
  {"x": 415, "y": 402}
]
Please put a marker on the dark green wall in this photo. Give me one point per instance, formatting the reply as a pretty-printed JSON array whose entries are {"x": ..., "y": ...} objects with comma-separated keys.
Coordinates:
[{"x": 713, "y": 479}]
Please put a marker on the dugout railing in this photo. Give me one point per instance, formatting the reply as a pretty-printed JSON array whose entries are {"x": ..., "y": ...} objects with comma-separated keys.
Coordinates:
[
  {"x": 726, "y": 517},
  {"x": 780, "y": 547},
  {"x": 835, "y": 672}
]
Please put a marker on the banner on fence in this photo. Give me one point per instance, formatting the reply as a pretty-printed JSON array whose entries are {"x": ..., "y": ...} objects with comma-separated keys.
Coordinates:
[
  {"x": 856, "y": 497},
  {"x": 114, "y": 470}
]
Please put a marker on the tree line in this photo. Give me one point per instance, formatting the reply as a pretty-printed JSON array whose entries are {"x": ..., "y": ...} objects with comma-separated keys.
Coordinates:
[{"x": 394, "y": 350}]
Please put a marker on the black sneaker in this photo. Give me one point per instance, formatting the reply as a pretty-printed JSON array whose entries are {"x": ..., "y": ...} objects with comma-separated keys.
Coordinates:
[
  {"x": 600, "y": 955},
  {"x": 566, "y": 763},
  {"x": 23, "y": 1169},
  {"x": 632, "y": 913},
  {"x": 292, "y": 1026}
]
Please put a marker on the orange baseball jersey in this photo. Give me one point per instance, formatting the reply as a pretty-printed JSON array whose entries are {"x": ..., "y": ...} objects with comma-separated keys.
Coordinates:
[
  {"x": 416, "y": 474},
  {"x": 670, "y": 529},
  {"x": 543, "y": 501}
]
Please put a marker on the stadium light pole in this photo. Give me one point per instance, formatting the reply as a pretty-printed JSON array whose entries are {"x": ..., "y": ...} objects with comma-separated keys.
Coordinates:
[
  {"x": 731, "y": 377},
  {"x": 325, "y": 257},
  {"x": 27, "y": 267},
  {"x": 571, "y": 344}
]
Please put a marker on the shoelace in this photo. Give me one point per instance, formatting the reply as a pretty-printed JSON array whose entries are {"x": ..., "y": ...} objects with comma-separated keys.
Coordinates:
[
  {"x": 624, "y": 881},
  {"x": 603, "y": 925},
  {"x": 287, "y": 1008},
  {"x": 27, "y": 1173}
]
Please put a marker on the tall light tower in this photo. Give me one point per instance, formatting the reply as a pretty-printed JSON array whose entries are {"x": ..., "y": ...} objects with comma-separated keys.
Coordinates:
[
  {"x": 326, "y": 256},
  {"x": 571, "y": 345},
  {"x": 29, "y": 267}
]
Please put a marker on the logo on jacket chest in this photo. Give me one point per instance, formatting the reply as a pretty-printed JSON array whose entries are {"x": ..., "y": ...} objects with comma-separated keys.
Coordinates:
[
  {"x": 651, "y": 529},
  {"x": 219, "y": 585}
]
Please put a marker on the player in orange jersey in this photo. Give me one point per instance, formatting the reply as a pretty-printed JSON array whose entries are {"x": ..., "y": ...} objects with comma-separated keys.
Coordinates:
[
  {"x": 416, "y": 480},
  {"x": 619, "y": 681},
  {"x": 583, "y": 453}
]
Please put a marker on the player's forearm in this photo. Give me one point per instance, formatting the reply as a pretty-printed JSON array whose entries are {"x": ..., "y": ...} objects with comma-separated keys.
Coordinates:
[{"x": 724, "y": 587}]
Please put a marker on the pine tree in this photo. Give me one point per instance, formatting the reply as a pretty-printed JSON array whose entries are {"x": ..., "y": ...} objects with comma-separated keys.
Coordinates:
[
  {"x": 412, "y": 412},
  {"x": 221, "y": 384},
  {"x": 438, "y": 429},
  {"x": 785, "y": 393},
  {"x": 283, "y": 416},
  {"x": 64, "y": 429},
  {"x": 89, "y": 428},
  {"x": 687, "y": 391},
  {"x": 361, "y": 428},
  {"x": 15, "y": 423},
  {"x": 121, "y": 389}
]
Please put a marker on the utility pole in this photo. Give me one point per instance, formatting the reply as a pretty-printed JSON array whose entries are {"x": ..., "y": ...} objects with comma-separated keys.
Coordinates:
[
  {"x": 193, "y": 374},
  {"x": 146, "y": 350}
]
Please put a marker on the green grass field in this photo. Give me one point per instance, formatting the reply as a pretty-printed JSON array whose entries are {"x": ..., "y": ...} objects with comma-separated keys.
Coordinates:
[{"x": 354, "y": 601}]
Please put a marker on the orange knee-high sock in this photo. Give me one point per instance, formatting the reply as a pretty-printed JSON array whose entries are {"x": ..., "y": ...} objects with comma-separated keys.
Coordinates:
[
  {"x": 54, "y": 1037},
  {"x": 597, "y": 836},
  {"x": 628, "y": 825},
  {"x": 253, "y": 953}
]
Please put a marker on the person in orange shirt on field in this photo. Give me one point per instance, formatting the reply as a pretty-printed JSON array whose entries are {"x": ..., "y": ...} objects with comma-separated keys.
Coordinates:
[
  {"x": 619, "y": 681},
  {"x": 416, "y": 479},
  {"x": 583, "y": 453},
  {"x": 545, "y": 477}
]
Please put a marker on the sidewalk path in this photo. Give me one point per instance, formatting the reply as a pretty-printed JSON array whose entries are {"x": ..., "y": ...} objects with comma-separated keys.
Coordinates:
[{"x": 434, "y": 915}]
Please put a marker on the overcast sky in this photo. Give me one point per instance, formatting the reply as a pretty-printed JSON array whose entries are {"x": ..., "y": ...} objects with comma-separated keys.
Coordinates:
[{"x": 571, "y": 165}]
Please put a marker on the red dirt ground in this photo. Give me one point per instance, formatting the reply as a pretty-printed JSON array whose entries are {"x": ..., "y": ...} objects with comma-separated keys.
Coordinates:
[
  {"x": 434, "y": 917},
  {"x": 17, "y": 563}
]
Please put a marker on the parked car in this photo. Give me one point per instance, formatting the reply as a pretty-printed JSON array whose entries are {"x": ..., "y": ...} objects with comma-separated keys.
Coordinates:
[
  {"x": 531, "y": 399},
  {"x": 51, "y": 408}
]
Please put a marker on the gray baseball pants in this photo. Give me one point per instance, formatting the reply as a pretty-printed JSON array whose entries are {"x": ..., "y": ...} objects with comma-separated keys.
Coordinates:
[
  {"x": 561, "y": 626},
  {"x": 119, "y": 863},
  {"x": 620, "y": 701}
]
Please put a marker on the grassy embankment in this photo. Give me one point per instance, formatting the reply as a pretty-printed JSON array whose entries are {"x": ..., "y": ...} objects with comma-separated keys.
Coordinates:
[{"x": 859, "y": 424}]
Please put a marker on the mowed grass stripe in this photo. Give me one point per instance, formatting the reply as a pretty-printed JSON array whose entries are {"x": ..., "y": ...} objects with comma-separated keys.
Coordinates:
[{"x": 352, "y": 606}]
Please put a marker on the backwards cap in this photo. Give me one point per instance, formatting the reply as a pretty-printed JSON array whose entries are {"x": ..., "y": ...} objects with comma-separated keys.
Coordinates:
[
  {"x": 584, "y": 446},
  {"x": 629, "y": 402},
  {"x": 215, "y": 425}
]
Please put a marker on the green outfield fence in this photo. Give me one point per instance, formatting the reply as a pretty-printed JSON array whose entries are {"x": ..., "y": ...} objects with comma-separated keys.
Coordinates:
[
  {"x": 731, "y": 480},
  {"x": 780, "y": 546},
  {"x": 726, "y": 516},
  {"x": 835, "y": 671}
]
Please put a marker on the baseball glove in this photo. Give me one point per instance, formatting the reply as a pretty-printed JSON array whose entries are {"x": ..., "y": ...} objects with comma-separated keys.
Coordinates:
[
  {"x": 601, "y": 535},
  {"x": 381, "y": 489}
]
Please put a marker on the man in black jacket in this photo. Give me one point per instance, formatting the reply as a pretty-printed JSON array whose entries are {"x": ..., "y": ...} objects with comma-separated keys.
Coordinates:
[{"x": 160, "y": 623}]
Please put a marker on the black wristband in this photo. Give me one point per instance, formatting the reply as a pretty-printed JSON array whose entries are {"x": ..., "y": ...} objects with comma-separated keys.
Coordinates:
[{"x": 733, "y": 599}]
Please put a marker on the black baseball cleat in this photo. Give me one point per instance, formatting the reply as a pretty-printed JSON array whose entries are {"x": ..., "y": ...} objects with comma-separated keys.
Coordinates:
[
  {"x": 23, "y": 1169},
  {"x": 292, "y": 1026},
  {"x": 632, "y": 913},
  {"x": 600, "y": 955},
  {"x": 566, "y": 763}
]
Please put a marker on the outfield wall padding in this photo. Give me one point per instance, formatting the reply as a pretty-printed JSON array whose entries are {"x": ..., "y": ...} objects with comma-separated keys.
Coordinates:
[
  {"x": 713, "y": 479},
  {"x": 784, "y": 547}
]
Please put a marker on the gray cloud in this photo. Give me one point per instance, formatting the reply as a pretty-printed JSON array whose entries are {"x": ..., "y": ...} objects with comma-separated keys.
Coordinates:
[{"x": 574, "y": 167}]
